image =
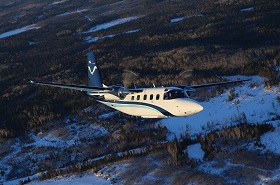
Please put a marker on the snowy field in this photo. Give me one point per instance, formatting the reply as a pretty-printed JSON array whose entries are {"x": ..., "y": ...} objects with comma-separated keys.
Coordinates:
[
  {"x": 95, "y": 28},
  {"x": 57, "y": 2},
  {"x": 84, "y": 179},
  {"x": 89, "y": 39},
  {"x": 56, "y": 139},
  {"x": 178, "y": 19},
  {"x": 69, "y": 13},
  {"x": 247, "y": 9},
  {"x": 257, "y": 103},
  {"x": 74, "y": 180},
  {"x": 20, "y": 30},
  {"x": 111, "y": 24}
]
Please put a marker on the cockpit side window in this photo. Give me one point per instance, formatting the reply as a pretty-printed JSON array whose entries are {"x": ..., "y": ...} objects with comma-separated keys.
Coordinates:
[
  {"x": 173, "y": 94},
  {"x": 165, "y": 96}
]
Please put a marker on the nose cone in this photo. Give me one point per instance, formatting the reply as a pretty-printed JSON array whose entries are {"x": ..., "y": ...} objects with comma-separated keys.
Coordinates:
[
  {"x": 198, "y": 108},
  {"x": 193, "y": 108}
]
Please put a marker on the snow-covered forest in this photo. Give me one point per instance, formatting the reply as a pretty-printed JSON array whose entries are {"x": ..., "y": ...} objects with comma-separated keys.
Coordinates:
[{"x": 50, "y": 135}]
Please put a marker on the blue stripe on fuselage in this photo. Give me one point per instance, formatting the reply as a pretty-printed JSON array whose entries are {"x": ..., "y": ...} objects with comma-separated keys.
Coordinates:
[{"x": 161, "y": 110}]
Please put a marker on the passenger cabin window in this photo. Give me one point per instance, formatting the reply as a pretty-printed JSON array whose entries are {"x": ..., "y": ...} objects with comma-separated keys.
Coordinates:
[
  {"x": 145, "y": 97},
  {"x": 151, "y": 97},
  {"x": 173, "y": 94},
  {"x": 138, "y": 97},
  {"x": 132, "y": 97},
  {"x": 157, "y": 97}
]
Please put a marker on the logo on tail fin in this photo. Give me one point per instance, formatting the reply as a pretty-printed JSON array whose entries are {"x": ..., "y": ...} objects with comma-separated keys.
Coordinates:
[{"x": 93, "y": 70}]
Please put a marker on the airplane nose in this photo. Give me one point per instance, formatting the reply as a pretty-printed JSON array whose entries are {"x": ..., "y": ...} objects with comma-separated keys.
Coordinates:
[
  {"x": 192, "y": 108},
  {"x": 198, "y": 108}
]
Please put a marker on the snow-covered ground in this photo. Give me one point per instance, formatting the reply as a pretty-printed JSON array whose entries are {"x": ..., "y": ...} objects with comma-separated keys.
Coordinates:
[
  {"x": 56, "y": 139},
  {"x": 195, "y": 151},
  {"x": 69, "y": 13},
  {"x": 84, "y": 179},
  {"x": 79, "y": 11},
  {"x": 107, "y": 25},
  {"x": 178, "y": 19},
  {"x": 111, "y": 24},
  {"x": 89, "y": 39},
  {"x": 57, "y": 2},
  {"x": 20, "y": 30},
  {"x": 271, "y": 140},
  {"x": 74, "y": 180},
  {"x": 257, "y": 104},
  {"x": 247, "y": 9}
]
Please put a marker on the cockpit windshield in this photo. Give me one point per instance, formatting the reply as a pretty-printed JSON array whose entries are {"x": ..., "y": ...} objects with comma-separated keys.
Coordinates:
[{"x": 173, "y": 94}]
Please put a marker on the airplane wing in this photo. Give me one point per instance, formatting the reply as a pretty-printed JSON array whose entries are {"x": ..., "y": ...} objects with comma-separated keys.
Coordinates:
[
  {"x": 211, "y": 84},
  {"x": 73, "y": 87},
  {"x": 218, "y": 83}
]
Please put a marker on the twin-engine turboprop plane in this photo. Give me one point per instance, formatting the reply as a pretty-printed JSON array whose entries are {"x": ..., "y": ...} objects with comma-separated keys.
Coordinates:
[{"x": 157, "y": 102}]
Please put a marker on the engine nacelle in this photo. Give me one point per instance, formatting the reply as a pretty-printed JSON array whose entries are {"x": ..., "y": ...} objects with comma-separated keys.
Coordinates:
[{"x": 122, "y": 92}]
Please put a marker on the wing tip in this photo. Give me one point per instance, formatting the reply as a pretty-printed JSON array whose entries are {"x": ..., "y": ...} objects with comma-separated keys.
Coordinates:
[{"x": 31, "y": 82}]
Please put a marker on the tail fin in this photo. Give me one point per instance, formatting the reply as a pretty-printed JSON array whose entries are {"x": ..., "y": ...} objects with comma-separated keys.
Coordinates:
[{"x": 93, "y": 73}]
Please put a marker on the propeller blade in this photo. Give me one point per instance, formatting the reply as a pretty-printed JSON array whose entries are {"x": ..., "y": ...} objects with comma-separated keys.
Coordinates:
[
  {"x": 186, "y": 76},
  {"x": 128, "y": 77}
]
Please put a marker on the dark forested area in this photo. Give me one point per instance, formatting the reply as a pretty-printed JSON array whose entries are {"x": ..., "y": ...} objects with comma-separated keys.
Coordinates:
[{"x": 214, "y": 38}]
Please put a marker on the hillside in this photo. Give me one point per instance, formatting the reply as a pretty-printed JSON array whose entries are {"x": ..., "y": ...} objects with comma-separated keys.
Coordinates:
[
  {"x": 55, "y": 135},
  {"x": 48, "y": 41},
  {"x": 71, "y": 153}
]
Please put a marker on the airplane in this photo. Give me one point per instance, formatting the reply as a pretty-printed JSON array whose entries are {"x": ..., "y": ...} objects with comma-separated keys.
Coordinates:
[{"x": 155, "y": 102}]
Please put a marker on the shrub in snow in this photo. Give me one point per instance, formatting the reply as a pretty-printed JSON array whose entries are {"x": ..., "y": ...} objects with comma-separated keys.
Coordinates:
[
  {"x": 175, "y": 149},
  {"x": 243, "y": 118},
  {"x": 239, "y": 132},
  {"x": 232, "y": 94},
  {"x": 253, "y": 84}
]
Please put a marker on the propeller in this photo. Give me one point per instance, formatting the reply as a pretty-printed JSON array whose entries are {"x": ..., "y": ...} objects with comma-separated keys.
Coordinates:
[
  {"x": 129, "y": 77},
  {"x": 187, "y": 79},
  {"x": 186, "y": 76},
  {"x": 122, "y": 92}
]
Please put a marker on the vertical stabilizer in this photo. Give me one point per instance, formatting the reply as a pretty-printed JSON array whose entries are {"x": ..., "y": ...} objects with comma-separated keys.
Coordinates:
[{"x": 93, "y": 73}]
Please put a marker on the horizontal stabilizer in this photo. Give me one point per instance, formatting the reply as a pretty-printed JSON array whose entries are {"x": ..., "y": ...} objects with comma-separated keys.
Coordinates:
[{"x": 73, "y": 87}]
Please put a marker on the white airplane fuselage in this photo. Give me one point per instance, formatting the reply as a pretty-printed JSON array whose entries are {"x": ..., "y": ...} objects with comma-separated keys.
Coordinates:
[{"x": 153, "y": 103}]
